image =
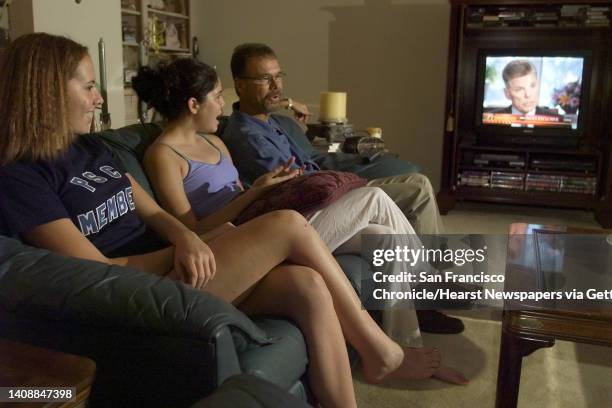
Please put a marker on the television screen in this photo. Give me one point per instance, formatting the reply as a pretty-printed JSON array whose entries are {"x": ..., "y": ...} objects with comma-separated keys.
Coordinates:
[{"x": 532, "y": 91}]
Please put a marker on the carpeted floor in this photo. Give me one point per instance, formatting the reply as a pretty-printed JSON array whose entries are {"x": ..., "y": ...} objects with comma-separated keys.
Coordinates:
[{"x": 566, "y": 375}]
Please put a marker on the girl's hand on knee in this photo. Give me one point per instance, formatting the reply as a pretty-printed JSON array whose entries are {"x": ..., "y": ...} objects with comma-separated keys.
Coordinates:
[{"x": 195, "y": 260}]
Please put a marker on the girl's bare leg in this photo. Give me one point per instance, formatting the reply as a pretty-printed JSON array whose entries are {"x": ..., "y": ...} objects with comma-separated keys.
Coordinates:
[
  {"x": 412, "y": 352},
  {"x": 300, "y": 293},
  {"x": 247, "y": 253}
]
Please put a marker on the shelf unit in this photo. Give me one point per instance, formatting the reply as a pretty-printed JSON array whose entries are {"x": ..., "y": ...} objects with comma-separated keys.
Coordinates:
[
  {"x": 130, "y": 12},
  {"x": 483, "y": 172},
  {"x": 140, "y": 19},
  {"x": 519, "y": 15},
  {"x": 584, "y": 175},
  {"x": 168, "y": 14}
]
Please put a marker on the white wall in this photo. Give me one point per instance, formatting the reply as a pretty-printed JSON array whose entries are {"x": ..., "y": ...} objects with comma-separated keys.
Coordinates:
[
  {"x": 297, "y": 30},
  {"x": 21, "y": 17},
  {"x": 85, "y": 23},
  {"x": 390, "y": 56}
]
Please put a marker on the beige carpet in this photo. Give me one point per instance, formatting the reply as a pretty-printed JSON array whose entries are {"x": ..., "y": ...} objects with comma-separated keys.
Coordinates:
[{"x": 566, "y": 375}]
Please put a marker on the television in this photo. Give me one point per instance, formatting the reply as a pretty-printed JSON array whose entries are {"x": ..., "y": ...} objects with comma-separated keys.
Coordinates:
[{"x": 531, "y": 96}]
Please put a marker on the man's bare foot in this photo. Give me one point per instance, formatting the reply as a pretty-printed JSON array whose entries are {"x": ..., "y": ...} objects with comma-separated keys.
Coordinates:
[
  {"x": 449, "y": 375},
  {"x": 416, "y": 364}
]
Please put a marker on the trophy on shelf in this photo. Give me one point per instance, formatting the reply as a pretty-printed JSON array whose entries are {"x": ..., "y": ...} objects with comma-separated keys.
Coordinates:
[{"x": 156, "y": 34}]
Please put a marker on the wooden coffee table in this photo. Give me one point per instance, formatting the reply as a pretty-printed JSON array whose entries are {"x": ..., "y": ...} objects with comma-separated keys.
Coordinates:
[{"x": 550, "y": 259}]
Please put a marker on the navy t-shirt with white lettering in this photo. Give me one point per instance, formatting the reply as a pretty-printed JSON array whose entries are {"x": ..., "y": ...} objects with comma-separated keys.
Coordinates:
[{"x": 85, "y": 185}]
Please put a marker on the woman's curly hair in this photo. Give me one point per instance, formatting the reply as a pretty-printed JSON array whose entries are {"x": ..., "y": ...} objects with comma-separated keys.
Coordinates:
[{"x": 34, "y": 117}]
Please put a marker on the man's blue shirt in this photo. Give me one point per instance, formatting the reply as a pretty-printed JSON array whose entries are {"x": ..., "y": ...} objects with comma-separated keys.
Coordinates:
[{"x": 258, "y": 147}]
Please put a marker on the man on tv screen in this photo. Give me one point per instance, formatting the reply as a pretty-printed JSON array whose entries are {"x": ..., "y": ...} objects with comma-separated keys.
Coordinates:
[
  {"x": 523, "y": 90},
  {"x": 543, "y": 91}
]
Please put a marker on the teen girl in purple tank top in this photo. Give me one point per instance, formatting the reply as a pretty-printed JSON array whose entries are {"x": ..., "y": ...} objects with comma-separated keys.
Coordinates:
[
  {"x": 195, "y": 180},
  {"x": 209, "y": 186}
]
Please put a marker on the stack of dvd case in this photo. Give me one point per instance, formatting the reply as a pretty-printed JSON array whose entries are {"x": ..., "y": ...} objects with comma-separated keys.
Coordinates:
[
  {"x": 543, "y": 182},
  {"x": 503, "y": 179},
  {"x": 474, "y": 178},
  {"x": 580, "y": 185}
]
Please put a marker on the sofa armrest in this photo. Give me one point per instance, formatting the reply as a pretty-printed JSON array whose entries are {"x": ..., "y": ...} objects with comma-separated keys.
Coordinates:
[
  {"x": 384, "y": 166},
  {"x": 37, "y": 283},
  {"x": 135, "y": 326}
]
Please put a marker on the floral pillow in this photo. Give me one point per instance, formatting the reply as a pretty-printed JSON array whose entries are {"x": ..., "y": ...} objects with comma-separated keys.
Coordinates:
[{"x": 305, "y": 194}]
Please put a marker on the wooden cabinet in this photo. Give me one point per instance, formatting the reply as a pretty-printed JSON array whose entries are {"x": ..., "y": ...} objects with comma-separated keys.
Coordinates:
[{"x": 578, "y": 176}]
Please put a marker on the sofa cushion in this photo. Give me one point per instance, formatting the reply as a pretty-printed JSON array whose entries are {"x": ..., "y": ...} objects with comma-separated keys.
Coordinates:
[
  {"x": 129, "y": 145},
  {"x": 384, "y": 166},
  {"x": 282, "y": 362},
  {"x": 249, "y": 391}
]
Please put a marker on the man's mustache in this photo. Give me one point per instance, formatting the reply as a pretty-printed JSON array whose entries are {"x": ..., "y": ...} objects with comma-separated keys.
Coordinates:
[{"x": 273, "y": 94}]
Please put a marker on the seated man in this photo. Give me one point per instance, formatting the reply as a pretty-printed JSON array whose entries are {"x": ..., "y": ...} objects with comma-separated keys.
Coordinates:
[{"x": 259, "y": 141}]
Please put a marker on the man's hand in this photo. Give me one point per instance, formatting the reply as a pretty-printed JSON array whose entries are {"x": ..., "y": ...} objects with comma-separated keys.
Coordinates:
[
  {"x": 300, "y": 111},
  {"x": 194, "y": 262},
  {"x": 278, "y": 175}
]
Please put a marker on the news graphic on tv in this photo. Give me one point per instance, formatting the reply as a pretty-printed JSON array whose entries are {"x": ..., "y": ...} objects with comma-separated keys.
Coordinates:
[{"x": 531, "y": 91}]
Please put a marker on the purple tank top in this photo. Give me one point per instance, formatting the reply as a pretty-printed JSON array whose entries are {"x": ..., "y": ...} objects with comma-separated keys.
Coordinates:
[{"x": 209, "y": 187}]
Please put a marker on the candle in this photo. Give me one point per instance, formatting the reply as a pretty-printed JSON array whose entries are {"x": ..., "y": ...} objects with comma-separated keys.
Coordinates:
[
  {"x": 102, "y": 61},
  {"x": 142, "y": 107},
  {"x": 141, "y": 54},
  {"x": 333, "y": 107}
]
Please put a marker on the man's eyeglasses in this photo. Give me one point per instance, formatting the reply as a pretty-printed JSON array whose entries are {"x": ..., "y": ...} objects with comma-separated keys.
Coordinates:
[{"x": 267, "y": 78}]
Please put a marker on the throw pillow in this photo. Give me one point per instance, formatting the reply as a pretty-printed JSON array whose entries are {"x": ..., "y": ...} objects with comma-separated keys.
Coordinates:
[{"x": 305, "y": 194}]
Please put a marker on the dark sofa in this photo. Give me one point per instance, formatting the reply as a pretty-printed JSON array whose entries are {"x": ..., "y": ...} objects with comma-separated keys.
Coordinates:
[{"x": 155, "y": 342}]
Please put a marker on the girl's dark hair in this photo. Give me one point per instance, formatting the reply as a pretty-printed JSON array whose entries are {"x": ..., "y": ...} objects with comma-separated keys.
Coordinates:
[{"x": 168, "y": 86}]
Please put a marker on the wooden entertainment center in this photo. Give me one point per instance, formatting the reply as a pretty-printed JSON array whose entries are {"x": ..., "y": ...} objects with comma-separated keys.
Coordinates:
[{"x": 546, "y": 174}]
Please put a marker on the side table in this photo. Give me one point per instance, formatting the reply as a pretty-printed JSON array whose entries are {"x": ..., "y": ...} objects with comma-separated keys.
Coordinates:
[{"x": 23, "y": 365}]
